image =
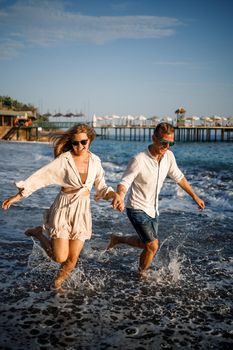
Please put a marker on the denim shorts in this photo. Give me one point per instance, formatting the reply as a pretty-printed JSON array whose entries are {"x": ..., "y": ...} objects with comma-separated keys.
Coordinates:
[{"x": 145, "y": 226}]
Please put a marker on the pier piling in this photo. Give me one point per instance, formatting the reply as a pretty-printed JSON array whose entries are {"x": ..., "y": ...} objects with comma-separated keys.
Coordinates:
[{"x": 182, "y": 134}]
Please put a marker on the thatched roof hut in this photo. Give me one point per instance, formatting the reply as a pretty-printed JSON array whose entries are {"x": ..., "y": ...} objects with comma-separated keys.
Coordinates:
[{"x": 180, "y": 110}]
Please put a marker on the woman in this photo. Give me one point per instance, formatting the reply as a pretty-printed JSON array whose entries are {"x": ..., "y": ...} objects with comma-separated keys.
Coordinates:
[{"x": 67, "y": 224}]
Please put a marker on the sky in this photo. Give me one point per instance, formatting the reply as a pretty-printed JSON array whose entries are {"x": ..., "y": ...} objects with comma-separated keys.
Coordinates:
[{"x": 118, "y": 57}]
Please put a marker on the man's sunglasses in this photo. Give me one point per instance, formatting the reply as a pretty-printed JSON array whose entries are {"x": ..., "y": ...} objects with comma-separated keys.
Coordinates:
[
  {"x": 166, "y": 143},
  {"x": 76, "y": 143}
]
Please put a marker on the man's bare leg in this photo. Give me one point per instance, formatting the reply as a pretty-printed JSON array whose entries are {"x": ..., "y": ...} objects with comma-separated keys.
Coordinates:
[
  {"x": 45, "y": 242},
  {"x": 147, "y": 256},
  {"x": 133, "y": 241}
]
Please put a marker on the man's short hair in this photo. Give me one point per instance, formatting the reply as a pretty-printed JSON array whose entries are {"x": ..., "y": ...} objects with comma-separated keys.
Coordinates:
[{"x": 163, "y": 128}]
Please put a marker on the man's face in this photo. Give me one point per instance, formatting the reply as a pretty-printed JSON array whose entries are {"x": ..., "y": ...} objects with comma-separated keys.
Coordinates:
[{"x": 163, "y": 143}]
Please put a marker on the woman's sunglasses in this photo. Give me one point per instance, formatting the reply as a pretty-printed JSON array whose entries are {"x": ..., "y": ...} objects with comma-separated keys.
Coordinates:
[
  {"x": 76, "y": 143},
  {"x": 166, "y": 143}
]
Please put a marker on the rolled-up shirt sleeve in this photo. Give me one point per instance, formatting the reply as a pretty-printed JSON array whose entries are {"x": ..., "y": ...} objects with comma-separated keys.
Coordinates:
[
  {"x": 174, "y": 172},
  {"x": 50, "y": 174},
  {"x": 130, "y": 173}
]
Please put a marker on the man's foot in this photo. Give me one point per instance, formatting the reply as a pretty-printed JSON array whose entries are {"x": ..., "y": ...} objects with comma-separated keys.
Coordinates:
[
  {"x": 34, "y": 232},
  {"x": 113, "y": 241}
]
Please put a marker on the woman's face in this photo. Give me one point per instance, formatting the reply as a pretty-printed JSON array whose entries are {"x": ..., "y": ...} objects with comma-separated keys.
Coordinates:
[{"x": 80, "y": 143}]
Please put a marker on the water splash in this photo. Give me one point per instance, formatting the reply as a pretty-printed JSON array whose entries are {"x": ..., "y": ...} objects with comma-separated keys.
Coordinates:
[{"x": 186, "y": 301}]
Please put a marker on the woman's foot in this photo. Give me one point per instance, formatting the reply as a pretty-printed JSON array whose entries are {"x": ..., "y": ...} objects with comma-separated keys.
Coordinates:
[
  {"x": 57, "y": 283},
  {"x": 34, "y": 232},
  {"x": 60, "y": 279},
  {"x": 45, "y": 242},
  {"x": 142, "y": 274}
]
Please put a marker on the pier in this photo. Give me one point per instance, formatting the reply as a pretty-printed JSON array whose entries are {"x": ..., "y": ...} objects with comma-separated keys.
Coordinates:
[
  {"x": 182, "y": 134},
  {"x": 121, "y": 133}
]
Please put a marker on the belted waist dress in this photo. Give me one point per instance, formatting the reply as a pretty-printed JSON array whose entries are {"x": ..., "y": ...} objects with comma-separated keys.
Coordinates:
[{"x": 70, "y": 214}]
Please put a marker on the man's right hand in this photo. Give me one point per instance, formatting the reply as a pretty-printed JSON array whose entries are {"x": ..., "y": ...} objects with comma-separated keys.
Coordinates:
[{"x": 118, "y": 202}]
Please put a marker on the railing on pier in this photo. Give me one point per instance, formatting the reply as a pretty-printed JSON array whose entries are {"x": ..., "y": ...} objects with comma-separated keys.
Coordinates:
[
  {"x": 182, "y": 134},
  {"x": 123, "y": 133},
  {"x": 55, "y": 125}
]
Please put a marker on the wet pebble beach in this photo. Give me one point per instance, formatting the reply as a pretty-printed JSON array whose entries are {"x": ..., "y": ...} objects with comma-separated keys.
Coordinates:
[{"x": 185, "y": 301}]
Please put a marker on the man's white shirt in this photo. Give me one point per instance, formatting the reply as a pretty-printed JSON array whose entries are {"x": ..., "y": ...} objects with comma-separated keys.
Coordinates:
[{"x": 144, "y": 178}]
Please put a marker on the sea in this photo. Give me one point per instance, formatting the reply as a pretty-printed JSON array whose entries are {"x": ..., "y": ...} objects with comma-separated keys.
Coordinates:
[{"x": 186, "y": 300}]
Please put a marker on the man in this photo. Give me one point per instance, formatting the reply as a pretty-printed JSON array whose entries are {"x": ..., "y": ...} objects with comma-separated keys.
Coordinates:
[{"x": 144, "y": 177}]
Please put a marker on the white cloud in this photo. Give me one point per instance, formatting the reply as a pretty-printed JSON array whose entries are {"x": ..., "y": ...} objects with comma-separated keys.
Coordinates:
[
  {"x": 40, "y": 24},
  {"x": 10, "y": 48}
]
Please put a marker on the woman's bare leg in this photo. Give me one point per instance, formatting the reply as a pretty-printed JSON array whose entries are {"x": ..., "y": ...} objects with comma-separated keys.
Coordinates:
[
  {"x": 45, "y": 242},
  {"x": 61, "y": 250},
  {"x": 74, "y": 249}
]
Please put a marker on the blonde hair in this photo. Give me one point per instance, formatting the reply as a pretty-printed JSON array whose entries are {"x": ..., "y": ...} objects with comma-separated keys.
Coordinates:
[
  {"x": 163, "y": 129},
  {"x": 62, "y": 140}
]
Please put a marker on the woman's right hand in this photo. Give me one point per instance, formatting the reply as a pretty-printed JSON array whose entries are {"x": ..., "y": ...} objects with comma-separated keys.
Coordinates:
[{"x": 6, "y": 204}]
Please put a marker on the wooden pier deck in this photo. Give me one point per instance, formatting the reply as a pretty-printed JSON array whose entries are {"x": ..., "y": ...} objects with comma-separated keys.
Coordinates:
[
  {"x": 182, "y": 134},
  {"x": 123, "y": 133}
]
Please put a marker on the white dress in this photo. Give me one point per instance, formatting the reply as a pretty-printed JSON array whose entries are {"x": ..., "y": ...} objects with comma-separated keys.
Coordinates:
[{"x": 69, "y": 216}]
